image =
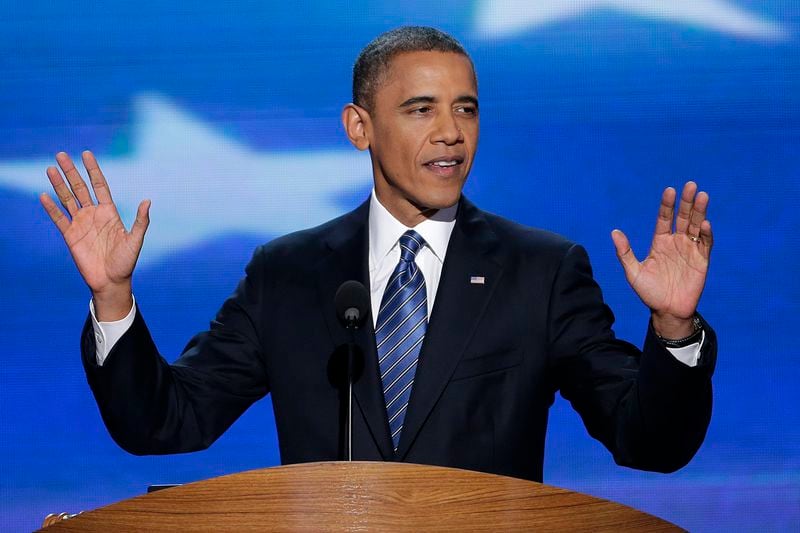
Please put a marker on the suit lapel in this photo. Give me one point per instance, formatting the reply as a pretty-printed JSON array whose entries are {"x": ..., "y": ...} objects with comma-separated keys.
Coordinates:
[
  {"x": 348, "y": 259},
  {"x": 457, "y": 310}
]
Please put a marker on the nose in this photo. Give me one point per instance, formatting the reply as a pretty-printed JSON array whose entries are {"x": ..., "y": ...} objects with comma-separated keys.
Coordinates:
[{"x": 447, "y": 130}]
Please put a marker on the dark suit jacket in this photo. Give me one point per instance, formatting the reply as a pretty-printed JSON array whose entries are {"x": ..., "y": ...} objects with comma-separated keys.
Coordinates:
[{"x": 493, "y": 358}]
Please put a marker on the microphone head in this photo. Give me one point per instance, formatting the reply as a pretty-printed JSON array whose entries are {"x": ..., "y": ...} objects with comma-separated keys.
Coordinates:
[{"x": 352, "y": 303}]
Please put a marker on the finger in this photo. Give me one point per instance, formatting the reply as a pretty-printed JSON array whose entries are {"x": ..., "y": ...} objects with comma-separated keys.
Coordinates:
[
  {"x": 706, "y": 238},
  {"x": 666, "y": 211},
  {"x": 62, "y": 191},
  {"x": 56, "y": 215},
  {"x": 97, "y": 179},
  {"x": 625, "y": 254},
  {"x": 141, "y": 223},
  {"x": 76, "y": 183},
  {"x": 698, "y": 214},
  {"x": 685, "y": 207}
]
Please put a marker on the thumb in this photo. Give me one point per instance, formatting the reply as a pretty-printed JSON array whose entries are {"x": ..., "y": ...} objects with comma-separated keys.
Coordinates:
[
  {"x": 142, "y": 222},
  {"x": 624, "y": 252}
]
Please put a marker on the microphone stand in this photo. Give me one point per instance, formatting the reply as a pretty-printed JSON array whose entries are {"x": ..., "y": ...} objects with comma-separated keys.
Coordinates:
[
  {"x": 352, "y": 304},
  {"x": 351, "y": 327}
]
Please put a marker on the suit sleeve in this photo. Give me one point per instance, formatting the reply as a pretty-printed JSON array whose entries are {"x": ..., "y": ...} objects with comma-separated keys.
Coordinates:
[
  {"x": 649, "y": 409},
  {"x": 152, "y": 407}
]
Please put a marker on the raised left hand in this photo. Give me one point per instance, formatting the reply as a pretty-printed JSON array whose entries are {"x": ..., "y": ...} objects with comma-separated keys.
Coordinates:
[{"x": 670, "y": 280}]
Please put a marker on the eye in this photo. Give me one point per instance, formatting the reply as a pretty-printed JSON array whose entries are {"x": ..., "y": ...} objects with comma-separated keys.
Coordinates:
[
  {"x": 469, "y": 110},
  {"x": 422, "y": 110}
]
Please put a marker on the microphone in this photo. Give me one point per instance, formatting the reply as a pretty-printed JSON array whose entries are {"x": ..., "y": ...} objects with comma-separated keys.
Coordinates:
[
  {"x": 352, "y": 308},
  {"x": 352, "y": 304}
]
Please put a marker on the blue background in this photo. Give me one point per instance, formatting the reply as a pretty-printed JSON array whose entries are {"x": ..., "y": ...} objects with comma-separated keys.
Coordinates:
[{"x": 227, "y": 116}]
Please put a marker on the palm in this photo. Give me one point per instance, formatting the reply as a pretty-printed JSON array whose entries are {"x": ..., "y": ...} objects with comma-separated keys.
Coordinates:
[
  {"x": 671, "y": 278},
  {"x": 103, "y": 251}
]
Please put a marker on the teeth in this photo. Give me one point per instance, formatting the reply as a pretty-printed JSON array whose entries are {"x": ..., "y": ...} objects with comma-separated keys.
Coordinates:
[{"x": 444, "y": 163}]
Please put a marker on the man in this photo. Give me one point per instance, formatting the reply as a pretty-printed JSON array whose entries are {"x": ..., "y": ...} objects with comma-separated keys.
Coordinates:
[{"x": 476, "y": 321}]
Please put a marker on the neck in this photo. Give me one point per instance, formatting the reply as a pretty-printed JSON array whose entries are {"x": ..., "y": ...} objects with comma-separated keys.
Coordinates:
[
  {"x": 407, "y": 213},
  {"x": 410, "y": 214}
]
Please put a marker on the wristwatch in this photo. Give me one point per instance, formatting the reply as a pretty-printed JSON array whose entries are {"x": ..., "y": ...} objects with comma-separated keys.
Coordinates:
[{"x": 696, "y": 335}]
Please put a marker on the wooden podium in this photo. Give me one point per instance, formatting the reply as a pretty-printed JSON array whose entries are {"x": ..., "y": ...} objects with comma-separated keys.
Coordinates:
[{"x": 363, "y": 496}]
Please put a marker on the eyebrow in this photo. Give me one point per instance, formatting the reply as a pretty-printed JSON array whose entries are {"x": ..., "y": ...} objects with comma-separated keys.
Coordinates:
[{"x": 414, "y": 100}]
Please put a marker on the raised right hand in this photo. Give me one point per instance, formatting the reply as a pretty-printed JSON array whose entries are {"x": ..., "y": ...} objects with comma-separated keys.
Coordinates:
[{"x": 104, "y": 252}]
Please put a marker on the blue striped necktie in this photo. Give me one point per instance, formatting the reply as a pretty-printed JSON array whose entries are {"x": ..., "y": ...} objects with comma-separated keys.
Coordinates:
[{"x": 399, "y": 331}]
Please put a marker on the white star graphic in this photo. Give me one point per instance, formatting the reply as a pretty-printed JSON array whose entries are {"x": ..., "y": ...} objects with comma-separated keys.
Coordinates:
[
  {"x": 497, "y": 18},
  {"x": 204, "y": 184}
]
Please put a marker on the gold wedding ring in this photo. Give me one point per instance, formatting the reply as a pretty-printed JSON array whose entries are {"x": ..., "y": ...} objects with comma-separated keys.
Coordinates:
[{"x": 694, "y": 239}]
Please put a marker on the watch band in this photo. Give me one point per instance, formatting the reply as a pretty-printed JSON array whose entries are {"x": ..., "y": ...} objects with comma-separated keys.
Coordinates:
[{"x": 696, "y": 336}]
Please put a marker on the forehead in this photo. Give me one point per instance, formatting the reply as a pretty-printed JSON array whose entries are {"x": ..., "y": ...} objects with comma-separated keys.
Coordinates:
[{"x": 436, "y": 74}]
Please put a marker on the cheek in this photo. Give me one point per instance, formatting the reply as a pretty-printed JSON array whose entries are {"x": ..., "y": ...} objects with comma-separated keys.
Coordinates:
[
  {"x": 412, "y": 136},
  {"x": 402, "y": 146},
  {"x": 396, "y": 144}
]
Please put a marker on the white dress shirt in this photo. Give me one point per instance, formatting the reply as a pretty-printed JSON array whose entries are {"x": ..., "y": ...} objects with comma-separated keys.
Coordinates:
[
  {"x": 384, "y": 253},
  {"x": 384, "y": 249}
]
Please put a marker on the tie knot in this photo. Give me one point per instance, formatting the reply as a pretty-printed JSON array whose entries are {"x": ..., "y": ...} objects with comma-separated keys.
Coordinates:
[{"x": 410, "y": 243}]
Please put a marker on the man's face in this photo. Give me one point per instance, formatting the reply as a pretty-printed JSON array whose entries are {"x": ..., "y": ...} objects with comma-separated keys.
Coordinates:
[{"x": 423, "y": 133}]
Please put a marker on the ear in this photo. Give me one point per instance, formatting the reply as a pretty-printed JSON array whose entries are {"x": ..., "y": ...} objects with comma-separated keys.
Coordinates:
[{"x": 356, "y": 122}]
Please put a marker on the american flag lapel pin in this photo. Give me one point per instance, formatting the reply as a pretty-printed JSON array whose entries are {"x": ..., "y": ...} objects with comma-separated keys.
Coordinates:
[{"x": 477, "y": 280}]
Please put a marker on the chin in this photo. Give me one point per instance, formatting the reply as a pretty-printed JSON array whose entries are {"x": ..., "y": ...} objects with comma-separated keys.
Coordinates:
[
  {"x": 441, "y": 200},
  {"x": 450, "y": 195}
]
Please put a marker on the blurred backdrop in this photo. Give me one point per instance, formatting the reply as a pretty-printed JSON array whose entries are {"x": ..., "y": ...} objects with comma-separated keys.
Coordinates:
[{"x": 226, "y": 115}]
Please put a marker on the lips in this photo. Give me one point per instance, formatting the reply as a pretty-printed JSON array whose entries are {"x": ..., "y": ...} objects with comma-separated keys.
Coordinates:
[
  {"x": 445, "y": 166},
  {"x": 446, "y": 161}
]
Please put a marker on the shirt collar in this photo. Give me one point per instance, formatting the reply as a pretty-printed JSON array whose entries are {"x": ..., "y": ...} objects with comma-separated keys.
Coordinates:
[{"x": 385, "y": 230}]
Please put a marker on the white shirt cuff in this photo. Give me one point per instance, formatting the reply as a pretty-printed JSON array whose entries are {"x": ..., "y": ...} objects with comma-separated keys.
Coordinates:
[
  {"x": 106, "y": 334},
  {"x": 688, "y": 355}
]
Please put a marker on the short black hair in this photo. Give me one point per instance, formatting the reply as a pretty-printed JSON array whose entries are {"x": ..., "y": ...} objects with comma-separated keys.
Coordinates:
[{"x": 374, "y": 60}]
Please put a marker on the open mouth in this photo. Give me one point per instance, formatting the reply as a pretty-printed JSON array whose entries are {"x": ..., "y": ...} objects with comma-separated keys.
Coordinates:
[{"x": 444, "y": 165}]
